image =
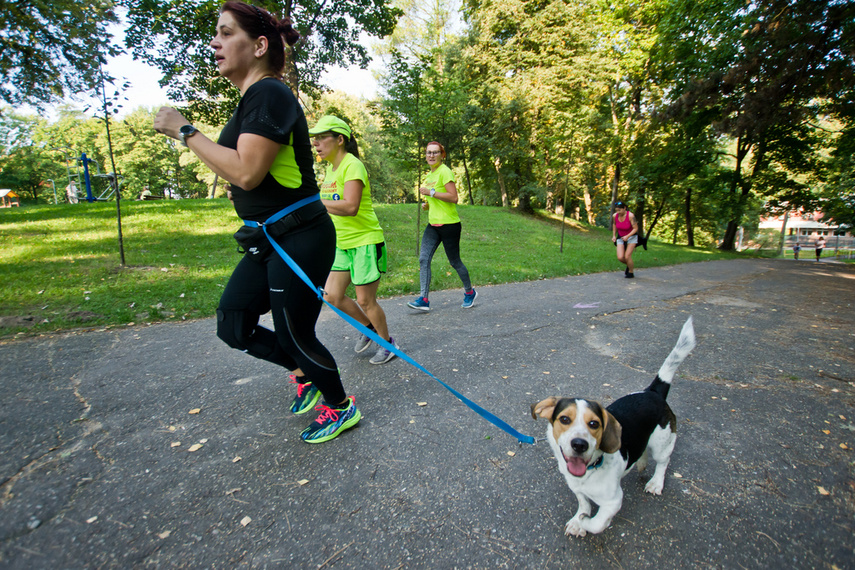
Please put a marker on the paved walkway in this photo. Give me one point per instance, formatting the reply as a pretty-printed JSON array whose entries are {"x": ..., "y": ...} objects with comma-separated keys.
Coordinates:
[{"x": 97, "y": 433}]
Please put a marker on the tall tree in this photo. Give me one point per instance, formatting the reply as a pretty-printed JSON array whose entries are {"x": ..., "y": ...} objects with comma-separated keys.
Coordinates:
[
  {"x": 51, "y": 50},
  {"x": 174, "y": 37},
  {"x": 752, "y": 71}
]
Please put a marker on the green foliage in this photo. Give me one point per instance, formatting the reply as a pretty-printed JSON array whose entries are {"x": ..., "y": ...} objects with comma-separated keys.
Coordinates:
[
  {"x": 754, "y": 72},
  {"x": 60, "y": 268},
  {"x": 174, "y": 36},
  {"x": 35, "y": 152},
  {"x": 51, "y": 50}
]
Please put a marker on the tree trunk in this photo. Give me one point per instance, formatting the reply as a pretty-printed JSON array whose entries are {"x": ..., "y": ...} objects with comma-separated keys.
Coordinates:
[
  {"x": 615, "y": 183},
  {"x": 468, "y": 181},
  {"x": 588, "y": 204},
  {"x": 690, "y": 230},
  {"x": 640, "y": 210},
  {"x": 502, "y": 189}
]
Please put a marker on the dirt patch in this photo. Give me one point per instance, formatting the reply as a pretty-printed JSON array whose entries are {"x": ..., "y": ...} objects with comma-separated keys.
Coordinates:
[
  {"x": 17, "y": 321},
  {"x": 83, "y": 316}
]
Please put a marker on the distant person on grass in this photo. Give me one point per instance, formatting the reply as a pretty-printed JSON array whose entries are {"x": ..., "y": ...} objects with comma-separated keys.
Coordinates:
[
  {"x": 796, "y": 249},
  {"x": 443, "y": 227},
  {"x": 820, "y": 245},
  {"x": 625, "y": 237},
  {"x": 360, "y": 255},
  {"x": 265, "y": 154}
]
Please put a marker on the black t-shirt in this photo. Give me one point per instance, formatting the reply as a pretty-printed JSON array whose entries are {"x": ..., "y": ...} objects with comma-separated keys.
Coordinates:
[{"x": 269, "y": 109}]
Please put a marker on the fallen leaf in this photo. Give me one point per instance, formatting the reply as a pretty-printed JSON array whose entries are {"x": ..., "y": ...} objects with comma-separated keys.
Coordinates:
[
  {"x": 822, "y": 491},
  {"x": 842, "y": 417},
  {"x": 203, "y": 440},
  {"x": 164, "y": 534},
  {"x": 195, "y": 411},
  {"x": 454, "y": 370},
  {"x": 412, "y": 421},
  {"x": 175, "y": 444},
  {"x": 844, "y": 446},
  {"x": 91, "y": 520},
  {"x": 236, "y": 459},
  {"x": 511, "y": 453},
  {"x": 302, "y": 482},
  {"x": 677, "y": 476},
  {"x": 195, "y": 447},
  {"x": 422, "y": 404},
  {"x": 245, "y": 521},
  {"x": 171, "y": 428},
  {"x": 546, "y": 372},
  {"x": 826, "y": 432}
]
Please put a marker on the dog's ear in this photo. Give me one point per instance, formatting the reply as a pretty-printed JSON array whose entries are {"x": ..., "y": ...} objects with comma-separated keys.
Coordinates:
[
  {"x": 544, "y": 409},
  {"x": 611, "y": 435}
]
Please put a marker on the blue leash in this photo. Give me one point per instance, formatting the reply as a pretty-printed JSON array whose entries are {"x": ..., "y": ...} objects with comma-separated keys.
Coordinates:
[{"x": 490, "y": 417}]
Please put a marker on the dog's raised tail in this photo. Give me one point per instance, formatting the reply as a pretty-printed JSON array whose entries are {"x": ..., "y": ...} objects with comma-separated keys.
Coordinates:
[{"x": 681, "y": 350}]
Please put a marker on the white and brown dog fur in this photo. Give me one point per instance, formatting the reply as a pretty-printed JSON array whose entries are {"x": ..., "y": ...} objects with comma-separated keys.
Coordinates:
[{"x": 596, "y": 447}]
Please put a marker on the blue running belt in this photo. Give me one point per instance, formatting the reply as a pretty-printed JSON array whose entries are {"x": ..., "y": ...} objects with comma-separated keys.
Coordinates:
[{"x": 490, "y": 417}]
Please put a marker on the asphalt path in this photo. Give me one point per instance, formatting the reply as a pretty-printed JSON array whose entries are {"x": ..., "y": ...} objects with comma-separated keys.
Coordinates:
[{"x": 159, "y": 446}]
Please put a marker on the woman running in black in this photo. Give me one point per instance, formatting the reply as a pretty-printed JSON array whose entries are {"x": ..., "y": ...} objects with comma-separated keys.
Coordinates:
[{"x": 265, "y": 154}]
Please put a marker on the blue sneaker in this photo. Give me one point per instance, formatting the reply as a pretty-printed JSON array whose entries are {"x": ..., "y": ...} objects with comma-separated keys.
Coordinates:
[
  {"x": 306, "y": 398},
  {"x": 331, "y": 422},
  {"x": 420, "y": 304},
  {"x": 469, "y": 299}
]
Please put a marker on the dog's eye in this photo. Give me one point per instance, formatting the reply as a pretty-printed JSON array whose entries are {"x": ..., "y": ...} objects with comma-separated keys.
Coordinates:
[
  {"x": 594, "y": 424},
  {"x": 565, "y": 420}
]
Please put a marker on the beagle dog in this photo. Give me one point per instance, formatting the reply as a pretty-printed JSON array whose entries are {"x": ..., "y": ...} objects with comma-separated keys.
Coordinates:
[{"x": 596, "y": 447}]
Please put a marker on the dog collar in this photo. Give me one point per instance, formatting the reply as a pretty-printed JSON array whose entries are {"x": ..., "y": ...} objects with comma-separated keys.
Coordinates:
[{"x": 597, "y": 464}]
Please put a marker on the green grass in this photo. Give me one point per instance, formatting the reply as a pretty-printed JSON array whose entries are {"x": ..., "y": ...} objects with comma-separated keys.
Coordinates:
[{"x": 60, "y": 267}]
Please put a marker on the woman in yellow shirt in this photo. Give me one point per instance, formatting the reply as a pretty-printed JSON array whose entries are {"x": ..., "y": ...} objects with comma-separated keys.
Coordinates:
[
  {"x": 360, "y": 256},
  {"x": 443, "y": 227}
]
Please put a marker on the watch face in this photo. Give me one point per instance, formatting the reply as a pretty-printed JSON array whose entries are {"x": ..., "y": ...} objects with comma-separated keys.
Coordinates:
[{"x": 188, "y": 129}]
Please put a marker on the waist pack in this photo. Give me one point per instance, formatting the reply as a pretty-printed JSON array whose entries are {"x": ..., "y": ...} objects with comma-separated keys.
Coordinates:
[{"x": 252, "y": 239}]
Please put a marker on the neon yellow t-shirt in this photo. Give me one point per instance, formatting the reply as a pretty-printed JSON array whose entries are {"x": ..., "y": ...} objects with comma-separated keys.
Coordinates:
[
  {"x": 440, "y": 212},
  {"x": 363, "y": 228}
]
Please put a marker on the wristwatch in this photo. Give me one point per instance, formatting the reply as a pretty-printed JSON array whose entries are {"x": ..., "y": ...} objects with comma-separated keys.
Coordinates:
[
  {"x": 432, "y": 192},
  {"x": 186, "y": 132}
]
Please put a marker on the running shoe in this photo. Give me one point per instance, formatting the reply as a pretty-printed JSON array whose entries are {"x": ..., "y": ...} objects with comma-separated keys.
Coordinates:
[
  {"x": 331, "y": 422},
  {"x": 307, "y": 396},
  {"x": 630, "y": 275},
  {"x": 420, "y": 304},
  {"x": 362, "y": 343},
  {"x": 384, "y": 355},
  {"x": 469, "y": 299}
]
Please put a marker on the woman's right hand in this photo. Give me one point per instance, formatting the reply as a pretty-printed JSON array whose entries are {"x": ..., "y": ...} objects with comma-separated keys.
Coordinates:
[{"x": 168, "y": 121}]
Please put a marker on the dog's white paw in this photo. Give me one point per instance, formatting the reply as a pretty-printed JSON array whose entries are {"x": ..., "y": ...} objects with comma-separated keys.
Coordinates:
[
  {"x": 654, "y": 486},
  {"x": 574, "y": 528}
]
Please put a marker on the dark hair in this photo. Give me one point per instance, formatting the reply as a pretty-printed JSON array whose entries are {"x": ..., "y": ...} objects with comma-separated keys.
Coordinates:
[
  {"x": 349, "y": 143},
  {"x": 257, "y": 22},
  {"x": 441, "y": 148}
]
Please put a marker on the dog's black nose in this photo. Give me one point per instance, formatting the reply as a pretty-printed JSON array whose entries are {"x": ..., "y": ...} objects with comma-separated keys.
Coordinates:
[{"x": 579, "y": 445}]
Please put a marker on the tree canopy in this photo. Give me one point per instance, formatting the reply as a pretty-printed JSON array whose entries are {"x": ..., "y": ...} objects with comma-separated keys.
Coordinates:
[{"x": 50, "y": 51}]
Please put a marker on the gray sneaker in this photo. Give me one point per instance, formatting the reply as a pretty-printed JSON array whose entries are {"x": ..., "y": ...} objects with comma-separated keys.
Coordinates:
[
  {"x": 383, "y": 355},
  {"x": 362, "y": 343}
]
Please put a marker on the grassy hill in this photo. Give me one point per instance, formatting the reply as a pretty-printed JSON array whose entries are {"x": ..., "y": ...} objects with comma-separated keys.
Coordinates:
[{"x": 60, "y": 266}]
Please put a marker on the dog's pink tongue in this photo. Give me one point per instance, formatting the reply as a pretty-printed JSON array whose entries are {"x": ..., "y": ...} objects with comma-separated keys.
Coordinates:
[{"x": 576, "y": 466}]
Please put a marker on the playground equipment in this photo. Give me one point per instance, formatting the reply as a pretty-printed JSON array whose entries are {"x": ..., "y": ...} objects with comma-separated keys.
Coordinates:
[{"x": 110, "y": 177}]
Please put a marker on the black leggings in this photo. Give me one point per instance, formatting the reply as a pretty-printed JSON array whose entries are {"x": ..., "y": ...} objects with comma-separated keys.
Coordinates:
[
  {"x": 256, "y": 287},
  {"x": 449, "y": 236}
]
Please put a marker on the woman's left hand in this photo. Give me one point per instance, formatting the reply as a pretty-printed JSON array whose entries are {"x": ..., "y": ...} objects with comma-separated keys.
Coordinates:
[{"x": 168, "y": 121}]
